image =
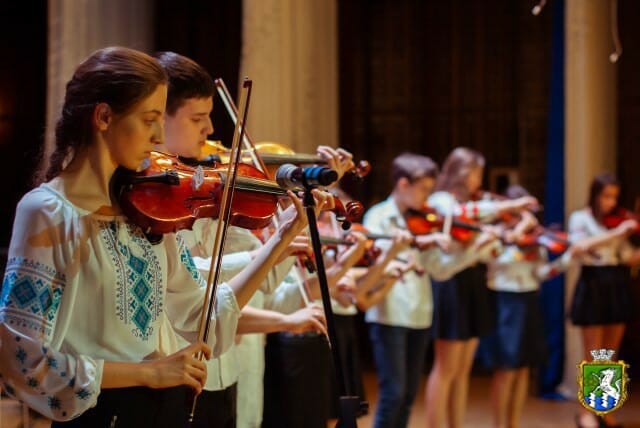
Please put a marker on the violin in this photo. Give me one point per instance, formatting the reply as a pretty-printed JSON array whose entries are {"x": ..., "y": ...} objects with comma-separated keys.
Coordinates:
[
  {"x": 617, "y": 216},
  {"x": 369, "y": 257},
  {"x": 275, "y": 154},
  {"x": 170, "y": 195},
  {"x": 555, "y": 241},
  {"x": 427, "y": 220},
  {"x": 372, "y": 252}
]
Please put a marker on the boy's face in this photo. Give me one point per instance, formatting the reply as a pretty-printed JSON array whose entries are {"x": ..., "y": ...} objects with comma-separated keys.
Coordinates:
[
  {"x": 186, "y": 131},
  {"x": 415, "y": 193}
]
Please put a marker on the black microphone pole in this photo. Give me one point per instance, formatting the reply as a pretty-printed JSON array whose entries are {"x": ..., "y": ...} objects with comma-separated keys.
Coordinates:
[{"x": 349, "y": 404}]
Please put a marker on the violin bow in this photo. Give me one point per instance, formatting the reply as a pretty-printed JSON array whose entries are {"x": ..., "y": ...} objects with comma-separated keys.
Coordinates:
[
  {"x": 223, "y": 220},
  {"x": 227, "y": 100},
  {"x": 448, "y": 219},
  {"x": 247, "y": 142}
]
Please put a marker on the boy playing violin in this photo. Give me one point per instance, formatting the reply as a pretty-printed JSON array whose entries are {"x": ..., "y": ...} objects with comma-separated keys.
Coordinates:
[
  {"x": 399, "y": 323},
  {"x": 187, "y": 125}
]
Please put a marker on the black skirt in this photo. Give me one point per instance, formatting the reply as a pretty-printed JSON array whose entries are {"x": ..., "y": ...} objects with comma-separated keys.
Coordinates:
[
  {"x": 136, "y": 407},
  {"x": 519, "y": 337},
  {"x": 602, "y": 296},
  {"x": 463, "y": 306}
]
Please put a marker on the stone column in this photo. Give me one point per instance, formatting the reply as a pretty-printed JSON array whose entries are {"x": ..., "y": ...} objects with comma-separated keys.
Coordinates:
[
  {"x": 590, "y": 128},
  {"x": 290, "y": 52},
  {"x": 77, "y": 28}
]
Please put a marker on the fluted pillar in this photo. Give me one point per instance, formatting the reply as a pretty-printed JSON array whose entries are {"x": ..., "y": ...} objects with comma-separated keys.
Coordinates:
[
  {"x": 290, "y": 52},
  {"x": 79, "y": 27},
  {"x": 590, "y": 127}
]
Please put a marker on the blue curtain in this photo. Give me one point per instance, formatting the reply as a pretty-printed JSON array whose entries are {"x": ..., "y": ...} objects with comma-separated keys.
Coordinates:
[{"x": 552, "y": 291}]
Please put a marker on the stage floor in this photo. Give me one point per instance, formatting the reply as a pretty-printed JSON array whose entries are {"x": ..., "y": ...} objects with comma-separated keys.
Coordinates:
[{"x": 537, "y": 413}]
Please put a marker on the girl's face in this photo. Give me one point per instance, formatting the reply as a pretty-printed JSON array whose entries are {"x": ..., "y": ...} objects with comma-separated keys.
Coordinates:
[
  {"x": 133, "y": 135},
  {"x": 474, "y": 179},
  {"x": 608, "y": 198},
  {"x": 186, "y": 131}
]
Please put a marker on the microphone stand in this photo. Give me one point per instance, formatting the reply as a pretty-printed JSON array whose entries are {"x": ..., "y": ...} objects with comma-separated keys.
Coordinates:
[{"x": 350, "y": 405}]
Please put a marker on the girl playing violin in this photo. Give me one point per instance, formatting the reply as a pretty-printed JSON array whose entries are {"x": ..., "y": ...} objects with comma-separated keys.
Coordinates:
[
  {"x": 515, "y": 275},
  {"x": 85, "y": 294},
  {"x": 461, "y": 299},
  {"x": 601, "y": 302},
  {"x": 354, "y": 287}
]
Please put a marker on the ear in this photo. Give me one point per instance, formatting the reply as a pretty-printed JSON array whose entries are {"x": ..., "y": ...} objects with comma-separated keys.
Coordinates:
[
  {"x": 403, "y": 183},
  {"x": 102, "y": 116}
]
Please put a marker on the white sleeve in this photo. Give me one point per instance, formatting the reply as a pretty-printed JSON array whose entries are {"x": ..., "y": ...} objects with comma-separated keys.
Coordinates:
[
  {"x": 57, "y": 384},
  {"x": 277, "y": 275},
  {"x": 185, "y": 298},
  {"x": 286, "y": 298},
  {"x": 442, "y": 266},
  {"x": 546, "y": 270},
  {"x": 579, "y": 226},
  {"x": 444, "y": 202}
]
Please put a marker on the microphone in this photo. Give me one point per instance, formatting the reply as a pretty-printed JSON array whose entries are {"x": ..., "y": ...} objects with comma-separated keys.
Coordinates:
[{"x": 291, "y": 177}]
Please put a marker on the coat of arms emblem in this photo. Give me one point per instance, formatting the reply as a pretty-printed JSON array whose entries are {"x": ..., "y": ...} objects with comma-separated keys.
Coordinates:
[{"x": 602, "y": 382}]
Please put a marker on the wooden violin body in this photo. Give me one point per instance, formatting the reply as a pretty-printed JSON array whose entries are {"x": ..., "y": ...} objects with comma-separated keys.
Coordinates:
[
  {"x": 427, "y": 220},
  {"x": 170, "y": 195},
  {"x": 617, "y": 216}
]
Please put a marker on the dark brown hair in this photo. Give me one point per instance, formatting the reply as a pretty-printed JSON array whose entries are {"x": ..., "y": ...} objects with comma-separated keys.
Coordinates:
[
  {"x": 456, "y": 169},
  {"x": 118, "y": 76},
  {"x": 187, "y": 79},
  {"x": 412, "y": 167},
  {"x": 598, "y": 184}
]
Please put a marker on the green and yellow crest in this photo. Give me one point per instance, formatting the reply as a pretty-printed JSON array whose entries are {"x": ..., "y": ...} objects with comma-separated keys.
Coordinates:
[{"x": 602, "y": 382}]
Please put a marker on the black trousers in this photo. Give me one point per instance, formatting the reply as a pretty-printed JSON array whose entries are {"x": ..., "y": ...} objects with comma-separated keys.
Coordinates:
[
  {"x": 297, "y": 384},
  {"x": 216, "y": 409},
  {"x": 136, "y": 407},
  {"x": 350, "y": 362}
]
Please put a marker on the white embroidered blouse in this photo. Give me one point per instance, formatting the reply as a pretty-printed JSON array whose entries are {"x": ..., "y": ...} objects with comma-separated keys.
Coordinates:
[
  {"x": 80, "y": 289},
  {"x": 583, "y": 225},
  {"x": 519, "y": 271}
]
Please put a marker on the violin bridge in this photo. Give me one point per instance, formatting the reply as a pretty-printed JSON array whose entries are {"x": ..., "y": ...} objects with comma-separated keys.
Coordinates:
[{"x": 198, "y": 178}]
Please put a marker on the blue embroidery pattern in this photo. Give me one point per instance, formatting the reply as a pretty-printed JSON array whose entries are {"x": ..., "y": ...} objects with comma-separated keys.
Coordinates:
[
  {"x": 54, "y": 402},
  {"x": 52, "y": 362},
  {"x": 21, "y": 355},
  {"x": 139, "y": 282},
  {"x": 187, "y": 261},
  {"x": 31, "y": 294},
  {"x": 83, "y": 394}
]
